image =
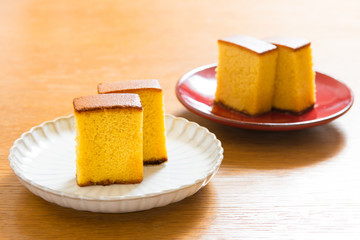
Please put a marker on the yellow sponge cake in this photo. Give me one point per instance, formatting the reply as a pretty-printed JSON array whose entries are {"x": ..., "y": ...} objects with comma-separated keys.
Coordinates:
[
  {"x": 246, "y": 74},
  {"x": 108, "y": 139},
  {"x": 151, "y": 97},
  {"x": 294, "y": 83}
]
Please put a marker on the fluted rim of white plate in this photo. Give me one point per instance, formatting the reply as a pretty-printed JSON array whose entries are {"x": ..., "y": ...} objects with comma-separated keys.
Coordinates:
[{"x": 209, "y": 173}]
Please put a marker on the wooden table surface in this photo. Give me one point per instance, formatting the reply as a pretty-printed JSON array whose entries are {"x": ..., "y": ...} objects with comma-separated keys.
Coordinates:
[{"x": 271, "y": 185}]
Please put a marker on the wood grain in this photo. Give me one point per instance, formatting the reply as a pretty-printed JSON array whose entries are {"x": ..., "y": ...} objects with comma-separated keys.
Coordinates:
[{"x": 272, "y": 185}]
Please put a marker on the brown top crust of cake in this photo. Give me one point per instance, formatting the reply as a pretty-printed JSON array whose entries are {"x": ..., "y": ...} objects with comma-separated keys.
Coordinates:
[
  {"x": 253, "y": 44},
  {"x": 289, "y": 42},
  {"x": 123, "y": 86},
  {"x": 107, "y": 101}
]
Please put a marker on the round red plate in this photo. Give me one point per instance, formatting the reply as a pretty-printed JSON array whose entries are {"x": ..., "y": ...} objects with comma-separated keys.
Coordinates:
[{"x": 196, "y": 90}]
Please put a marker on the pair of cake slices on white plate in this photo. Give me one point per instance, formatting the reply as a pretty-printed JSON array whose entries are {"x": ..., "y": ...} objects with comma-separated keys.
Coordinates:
[{"x": 118, "y": 131}]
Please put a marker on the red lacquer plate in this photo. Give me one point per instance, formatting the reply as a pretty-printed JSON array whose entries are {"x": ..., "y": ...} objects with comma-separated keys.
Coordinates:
[{"x": 196, "y": 90}]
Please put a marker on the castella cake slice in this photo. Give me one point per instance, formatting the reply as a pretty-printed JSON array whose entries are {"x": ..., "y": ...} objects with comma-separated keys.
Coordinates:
[
  {"x": 295, "y": 79},
  {"x": 152, "y": 101},
  {"x": 108, "y": 139},
  {"x": 246, "y": 74}
]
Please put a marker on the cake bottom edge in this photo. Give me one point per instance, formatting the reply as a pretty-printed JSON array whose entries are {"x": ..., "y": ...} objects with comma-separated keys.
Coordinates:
[
  {"x": 109, "y": 182},
  {"x": 307, "y": 109},
  {"x": 298, "y": 113},
  {"x": 221, "y": 104},
  {"x": 155, "y": 161}
]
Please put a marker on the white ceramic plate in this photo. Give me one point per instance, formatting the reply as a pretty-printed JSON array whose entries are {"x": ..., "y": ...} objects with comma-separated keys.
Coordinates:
[{"x": 43, "y": 159}]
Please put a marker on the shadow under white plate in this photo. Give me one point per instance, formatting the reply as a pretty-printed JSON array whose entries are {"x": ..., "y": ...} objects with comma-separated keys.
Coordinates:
[{"x": 44, "y": 161}]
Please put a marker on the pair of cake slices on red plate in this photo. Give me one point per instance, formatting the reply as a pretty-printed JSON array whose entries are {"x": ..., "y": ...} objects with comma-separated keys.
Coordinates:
[{"x": 255, "y": 76}]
